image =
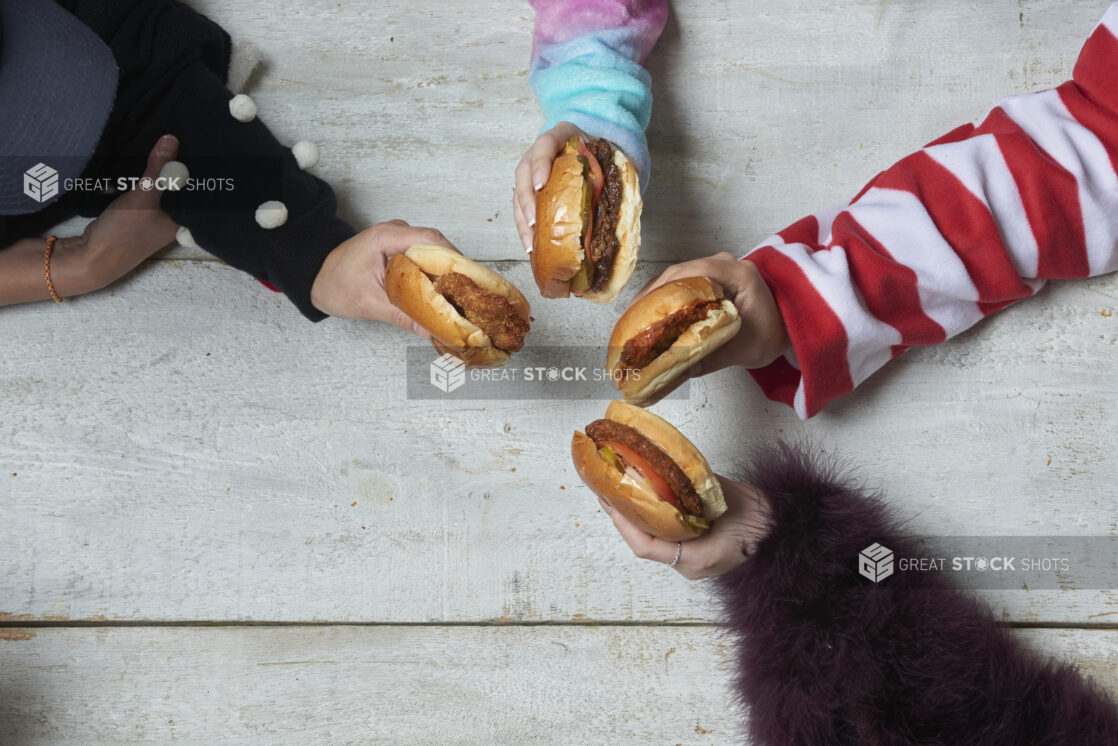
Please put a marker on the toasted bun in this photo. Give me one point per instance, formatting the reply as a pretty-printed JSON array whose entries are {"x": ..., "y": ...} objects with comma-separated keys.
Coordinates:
[
  {"x": 696, "y": 342},
  {"x": 557, "y": 253},
  {"x": 636, "y": 501},
  {"x": 409, "y": 287}
]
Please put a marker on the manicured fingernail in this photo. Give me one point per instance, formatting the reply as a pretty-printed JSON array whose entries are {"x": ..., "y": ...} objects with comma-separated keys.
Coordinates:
[
  {"x": 532, "y": 223},
  {"x": 539, "y": 184}
]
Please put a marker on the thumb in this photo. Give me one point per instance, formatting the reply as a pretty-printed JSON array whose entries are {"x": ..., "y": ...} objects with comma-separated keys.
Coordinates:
[{"x": 163, "y": 153}]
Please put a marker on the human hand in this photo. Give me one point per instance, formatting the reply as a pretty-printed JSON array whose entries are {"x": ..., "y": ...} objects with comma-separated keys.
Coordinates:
[
  {"x": 729, "y": 542},
  {"x": 762, "y": 337},
  {"x": 533, "y": 172},
  {"x": 129, "y": 231},
  {"x": 350, "y": 284}
]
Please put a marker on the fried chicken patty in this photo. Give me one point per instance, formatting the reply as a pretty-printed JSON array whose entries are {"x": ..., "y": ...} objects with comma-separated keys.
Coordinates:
[
  {"x": 492, "y": 313},
  {"x": 609, "y": 430},
  {"x": 654, "y": 340}
]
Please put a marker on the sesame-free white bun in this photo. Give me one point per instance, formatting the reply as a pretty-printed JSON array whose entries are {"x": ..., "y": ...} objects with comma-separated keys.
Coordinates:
[
  {"x": 410, "y": 288},
  {"x": 696, "y": 342}
]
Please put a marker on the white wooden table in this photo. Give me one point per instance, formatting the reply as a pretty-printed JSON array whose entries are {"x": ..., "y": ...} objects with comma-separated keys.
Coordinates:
[{"x": 222, "y": 523}]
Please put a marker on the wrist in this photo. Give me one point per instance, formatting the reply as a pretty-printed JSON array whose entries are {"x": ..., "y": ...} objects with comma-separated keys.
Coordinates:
[
  {"x": 69, "y": 267},
  {"x": 758, "y": 523}
]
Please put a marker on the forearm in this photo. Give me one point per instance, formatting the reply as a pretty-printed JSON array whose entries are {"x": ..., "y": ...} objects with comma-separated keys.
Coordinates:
[
  {"x": 22, "y": 277},
  {"x": 951, "y": 234},
  {"x": 586, "y": 68},
  {"x": 827, "y": 656},
  {"x": 23, "y": 270}
]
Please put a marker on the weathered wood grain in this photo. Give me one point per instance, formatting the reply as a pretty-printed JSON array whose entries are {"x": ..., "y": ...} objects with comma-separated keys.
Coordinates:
[
  {"x": 386, "y": 684},
  {"x": 185, "y": 447},
  {"x": 762, "y": 113}
]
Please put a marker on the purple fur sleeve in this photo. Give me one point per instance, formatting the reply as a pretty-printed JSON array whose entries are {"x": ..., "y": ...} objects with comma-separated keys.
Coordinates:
[{"x": 827, "y": 657}]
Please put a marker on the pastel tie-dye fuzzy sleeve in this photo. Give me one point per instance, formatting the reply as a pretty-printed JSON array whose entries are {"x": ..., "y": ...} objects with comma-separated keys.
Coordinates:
[{"x": 586, "y": 69}]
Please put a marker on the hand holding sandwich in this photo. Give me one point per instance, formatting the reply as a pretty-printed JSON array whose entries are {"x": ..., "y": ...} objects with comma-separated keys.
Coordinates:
[
  {"x": 350, "y": 284},
  {"x": 532, "y": 173},
  {"x": 763, "y": 336},
  {"x": 729, "y": 542}
]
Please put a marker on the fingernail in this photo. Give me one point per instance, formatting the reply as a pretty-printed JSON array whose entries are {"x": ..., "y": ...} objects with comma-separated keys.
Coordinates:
[
  {"x": 532, "y": 223},
  {"x": 539, "y": 185},
  {"x": 166, "y": 145}
]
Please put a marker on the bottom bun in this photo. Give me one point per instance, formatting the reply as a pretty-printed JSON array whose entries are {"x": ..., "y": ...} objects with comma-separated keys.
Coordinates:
[{"x": 637, "y": 502}]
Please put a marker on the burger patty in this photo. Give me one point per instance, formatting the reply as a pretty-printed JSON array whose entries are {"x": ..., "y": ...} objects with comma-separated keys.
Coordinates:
[
  {"x": 653, "y": 341},
  {"x": 609, "y": 430},
  {"x": 604, "y": 243},
  {"x": 492, "y": 313}
]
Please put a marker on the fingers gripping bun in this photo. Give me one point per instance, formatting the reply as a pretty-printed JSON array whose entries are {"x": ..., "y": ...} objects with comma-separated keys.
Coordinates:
[
  {"x": 409, "y": 287},
  {"x": 697, "y": 341}
]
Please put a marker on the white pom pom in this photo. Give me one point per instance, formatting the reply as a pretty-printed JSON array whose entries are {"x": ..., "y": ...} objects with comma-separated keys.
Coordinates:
[
  {"x": 306, "y": 154},
  {"x": 242, "y": 108},
  {"x": 185, "y": 237},
  {"x": 244, "y": 58},
  {"x": 175, "y": 174},
  {"x": 271, "y": 214}
]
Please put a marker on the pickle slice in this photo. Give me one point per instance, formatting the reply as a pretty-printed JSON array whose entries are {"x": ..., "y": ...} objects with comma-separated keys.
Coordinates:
[
  {"x": 695, "y": 521},
  {"x": 607, "y": 453},
  {"x": 581, "y": 281}
]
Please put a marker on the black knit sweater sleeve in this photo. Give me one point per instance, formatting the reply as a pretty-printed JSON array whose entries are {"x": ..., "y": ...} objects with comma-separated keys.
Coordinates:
[
  {"x": 173, "y": 64},
  {"x": 826, "y": 656}
]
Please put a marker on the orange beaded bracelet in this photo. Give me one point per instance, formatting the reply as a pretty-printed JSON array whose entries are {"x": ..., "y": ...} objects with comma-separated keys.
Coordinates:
[{"x": 46, "y": 267}]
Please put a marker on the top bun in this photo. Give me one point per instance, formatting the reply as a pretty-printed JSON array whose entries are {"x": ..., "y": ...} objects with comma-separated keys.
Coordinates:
[
  {"x": 558, "y": 252},
  {"x": 408, "y": 285},
  {"x": 697, "y": 341}
]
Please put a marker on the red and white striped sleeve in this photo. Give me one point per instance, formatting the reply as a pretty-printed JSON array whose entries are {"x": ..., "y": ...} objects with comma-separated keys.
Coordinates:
[{"x": 960, "y": 229}]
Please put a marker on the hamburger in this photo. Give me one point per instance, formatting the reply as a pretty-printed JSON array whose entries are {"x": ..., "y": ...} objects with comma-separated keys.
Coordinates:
[
  {"x": 588, "y": 229},
  {"x": 470, "y": 310},
  {"x": 666, "y": 332},
  {"x": 649, "y": 472}
]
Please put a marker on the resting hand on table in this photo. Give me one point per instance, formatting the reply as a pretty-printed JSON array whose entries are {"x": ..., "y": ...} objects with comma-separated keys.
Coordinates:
[
  {"x": 350, "y": 284},
  {"x": 129, "y": 231},
  {"x": 533, "y": 172},
  {"x": 732, "y": 538}
]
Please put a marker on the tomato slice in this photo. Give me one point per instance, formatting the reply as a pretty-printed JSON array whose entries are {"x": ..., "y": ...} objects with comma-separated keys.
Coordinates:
[{"x": 632, "y": 459}]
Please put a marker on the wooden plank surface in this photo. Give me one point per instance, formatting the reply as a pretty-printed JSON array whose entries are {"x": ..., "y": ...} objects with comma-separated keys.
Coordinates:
[
  {"x": 187, "y": 448},
  {"x": 393, "y": 685},
  {"x": 762, "y": 113}
]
